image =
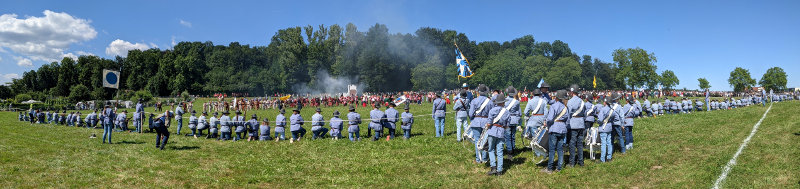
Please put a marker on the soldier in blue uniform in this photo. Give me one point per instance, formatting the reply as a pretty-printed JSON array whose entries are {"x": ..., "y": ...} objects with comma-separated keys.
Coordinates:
[
  {"x": 588, "y": 118},
  {"x": 108, "y": 115},
  {"x": 496, "y": 129},
  {"x": 280, "y": 126},
  {"x": 225, "y": 126},
  {"x": 514, "y": 113},
  {"x": 606, "y": 115},
  {"x": 252, "y": 128},
  {"x": 377, "y": 118},
  {"x": 479, "y": 114},
  {"x": 214, "y": 124},
  {"x": 618, "y": 124},
  {"x": 264, "y": 130},
  {"x": 237, "y": 123},
  {"x": 630, "y": 113},
  {"x": 336, "y": 126},
  {"x": 647, "y": 108},
  {"x": 138, "y": 117},
  {"x": 317, "y": 125},
  {"x": 193, "y": 123},
  {"x": 162, "y": 134},
  {"x": 438, "y": 111},
  {"x": 296, "y": 125},
  {"x": 535, "y": 111},
  {"x": 202, "y": 123},
  {"x": 461, "y": 105},
  {"x": 392, "y": 116},
  {"x": 408, "y": 121},
  {"x": 576, "y": 126},
  {"x": 179, "y": 117},
  {"x": 557, "y": 118},
  {"x": 353, "y": 119}
]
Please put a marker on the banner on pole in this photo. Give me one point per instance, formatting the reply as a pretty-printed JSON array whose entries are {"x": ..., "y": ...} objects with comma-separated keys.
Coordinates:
[{"x": 111, "y": 79}]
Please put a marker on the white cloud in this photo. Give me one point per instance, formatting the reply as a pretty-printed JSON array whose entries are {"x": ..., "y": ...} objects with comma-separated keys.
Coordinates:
[
  {"x": 44, "y": 38},
  {"x": 84, "y": 53},
  {"x": 8, "y": 77},
  {"x": 120, "y": 47},
  {"x": 24, "y": 62},
  {"x": 185, "y": 23}
]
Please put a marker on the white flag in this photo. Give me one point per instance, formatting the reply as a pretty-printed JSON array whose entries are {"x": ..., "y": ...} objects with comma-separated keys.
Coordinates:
[{"x": 111, "y": 79}]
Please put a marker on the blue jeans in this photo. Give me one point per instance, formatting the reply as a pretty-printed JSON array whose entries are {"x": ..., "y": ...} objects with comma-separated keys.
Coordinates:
[
  {"x": 496, "y": 152},
  {"x": 576, "y": 140},
  {"x": 319, "y": 133},
  {"x": 606, "y": 148},
  {"x": 461, "y": 122},
  {"x": 298, "y": 133},
  {"x": 556, "y": 144},
  {"x": 226, "y": 135},
  {"x": 407, "y": 133},
  {"x": 439, "y": 124},
  {"x": 281, "y": 135},
  {"x": 510, "y": 138},
  {"x": 629, "y": 137},
  {"x": 238, "y": 136},
  {"x": 480, "y": 155},
  {"x": 107, "y": 128},
  {"x": 620, "y": 136},
  {"x": 180, "y": 123},
  {"x": 357, "y": 136},
  {"x": 377, "y": 134}
]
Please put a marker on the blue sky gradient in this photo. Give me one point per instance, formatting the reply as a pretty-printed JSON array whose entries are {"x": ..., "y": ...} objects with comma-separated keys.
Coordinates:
[{"x": 693, "y": 38}]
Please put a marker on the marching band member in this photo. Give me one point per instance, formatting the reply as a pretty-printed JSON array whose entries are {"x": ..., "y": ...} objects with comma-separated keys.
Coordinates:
[
  {"x": 577, "y": 126},
  {"x": 557, "y": 119},
  {"x": 479, "y": 113},
  {"x": 535, "y": 111},
  {"x": 498, "y": 117}
]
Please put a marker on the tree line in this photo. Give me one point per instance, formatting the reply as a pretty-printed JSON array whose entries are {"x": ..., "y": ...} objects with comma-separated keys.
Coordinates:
[{"x": 381, "y": 61}]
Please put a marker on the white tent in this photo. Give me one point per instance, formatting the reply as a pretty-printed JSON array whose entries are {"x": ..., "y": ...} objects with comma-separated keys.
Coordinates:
[{"x": 31, "y": 102}]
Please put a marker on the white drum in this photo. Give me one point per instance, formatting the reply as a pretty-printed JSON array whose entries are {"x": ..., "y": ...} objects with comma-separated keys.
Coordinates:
[{"x": 540, "y": 141}]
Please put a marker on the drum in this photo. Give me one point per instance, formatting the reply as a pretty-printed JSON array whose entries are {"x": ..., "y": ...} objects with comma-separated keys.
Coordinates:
[
  {"x": 540, "y": 141},
  {"x": 483, "y": 141},
  {"x": 592, "y": 137}
]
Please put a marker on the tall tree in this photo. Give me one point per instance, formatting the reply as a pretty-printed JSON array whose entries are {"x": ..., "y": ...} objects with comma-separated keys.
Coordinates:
[
  {"x": 636, "y": 67},
  {"x": 703, "y": 83},
  {"x": 740, "y": 79},
  {"x": 774, "y": 79},
  {"x": 669, "y": 80}
]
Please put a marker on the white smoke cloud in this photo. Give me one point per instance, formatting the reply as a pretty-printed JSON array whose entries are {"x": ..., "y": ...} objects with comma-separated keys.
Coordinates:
[
  {"x": 326, "y": 84},
  {"x": 120, "y": 47}
]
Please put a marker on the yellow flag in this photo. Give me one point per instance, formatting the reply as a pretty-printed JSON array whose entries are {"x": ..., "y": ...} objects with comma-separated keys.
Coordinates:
[{"x": 594, "y": 82}]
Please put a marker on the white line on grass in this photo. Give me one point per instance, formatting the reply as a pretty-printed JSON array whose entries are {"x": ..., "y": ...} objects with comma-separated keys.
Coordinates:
[{"x": 732, "y": 162}]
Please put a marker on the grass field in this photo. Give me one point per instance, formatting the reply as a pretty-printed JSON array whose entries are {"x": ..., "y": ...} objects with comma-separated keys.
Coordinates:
[{"x": 672, "y": 151}]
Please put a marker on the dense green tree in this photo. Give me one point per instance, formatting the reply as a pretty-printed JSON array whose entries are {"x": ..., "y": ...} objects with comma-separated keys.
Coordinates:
[
  {"x": 740, "y": 79},
  {"x": 79, "y": 93},
  {"x": 773, "y": 79},
  {"x": 703, "y": 83},
  {"x": 636, "y": 67},
  {"x": 669, "y": 80}
]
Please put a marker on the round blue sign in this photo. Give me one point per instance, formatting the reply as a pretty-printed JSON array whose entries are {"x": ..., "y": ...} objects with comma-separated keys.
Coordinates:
[{"x": 111, "y": 78}]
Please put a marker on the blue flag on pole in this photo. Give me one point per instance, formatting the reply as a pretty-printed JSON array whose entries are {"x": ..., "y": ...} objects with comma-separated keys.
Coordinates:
[
  {"x": 463, "y": 65},
  {"x": 540, "y": 83}
]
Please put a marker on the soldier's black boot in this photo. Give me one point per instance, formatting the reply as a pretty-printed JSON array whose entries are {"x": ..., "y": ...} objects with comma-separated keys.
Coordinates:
[{"x": 492, "y": 172}]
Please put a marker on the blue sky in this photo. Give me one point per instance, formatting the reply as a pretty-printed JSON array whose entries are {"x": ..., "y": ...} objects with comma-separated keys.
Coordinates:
[{"x": 692, "y": 38}]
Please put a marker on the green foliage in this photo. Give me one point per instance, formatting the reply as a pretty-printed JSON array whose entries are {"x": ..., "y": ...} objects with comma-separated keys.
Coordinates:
[
  {"x": 703, "y": 83},
  {"x": 186, "y": 97},
  {"x": 5, "y": 92},
  {"x": 668, "y": 79},
  {"x": 144, "y": 95},
  {"x": 740, "y": 79},
  {"x": 22, "y": 97},
  {"x": 79, "y": 93},
  {"x": 774, "y": 79},
  {"x": 636, "y": 67}
]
